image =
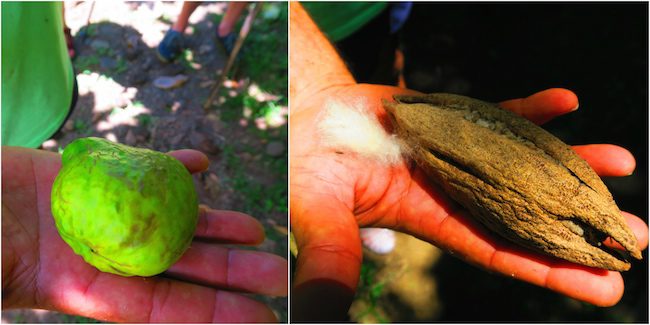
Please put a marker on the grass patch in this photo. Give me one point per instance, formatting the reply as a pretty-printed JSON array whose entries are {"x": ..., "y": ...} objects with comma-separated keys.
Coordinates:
[
  {"x": 186, "y": 59},
  {"x": 121, "y": 66},
  {"x": 256, "y": 197},
  {"x": 87, "y": 31},
  {"x": 267, "y": 38},
  {"x": 105, "y": 51},
  {"x": 244, "y": 105},
  {"x": 86, "y": 63},
  {"x": 370, "y": 291},
  {"x": 232, "y": 108},
  {"x": 164, "y": 18},
  {"x": 82, "y": 127},
  {"x": 145, "y": 120}
]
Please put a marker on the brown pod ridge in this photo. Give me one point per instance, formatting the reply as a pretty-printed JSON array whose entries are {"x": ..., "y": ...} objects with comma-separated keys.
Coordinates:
[{"x": 514, "y": 177}]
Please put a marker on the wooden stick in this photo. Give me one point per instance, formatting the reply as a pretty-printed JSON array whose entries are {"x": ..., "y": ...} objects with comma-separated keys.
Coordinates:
[
  {"x": 243, "y": 32},
  {"x": 83, "y": 35},
  {"x": 90, "y": 13}
]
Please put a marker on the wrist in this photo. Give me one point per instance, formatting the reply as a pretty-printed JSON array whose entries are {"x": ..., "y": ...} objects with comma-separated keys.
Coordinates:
[{"x": 315, "y": 64}]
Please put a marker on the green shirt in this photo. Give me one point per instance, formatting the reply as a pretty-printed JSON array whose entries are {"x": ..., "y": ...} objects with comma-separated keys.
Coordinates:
[
  {"x": 338, "y": 20},
  {"x": 37, "y": 75}
]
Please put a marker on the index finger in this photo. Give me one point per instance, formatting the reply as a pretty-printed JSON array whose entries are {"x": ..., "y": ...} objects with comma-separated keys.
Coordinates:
[
  {"x": 194, "y": 160},
  {"x": 229, "y": 227},
  {"x": 543, "y": 106}
]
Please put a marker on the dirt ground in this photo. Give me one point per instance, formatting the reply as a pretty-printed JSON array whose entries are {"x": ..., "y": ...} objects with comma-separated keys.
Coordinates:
[{"x": 244, "y": 133}]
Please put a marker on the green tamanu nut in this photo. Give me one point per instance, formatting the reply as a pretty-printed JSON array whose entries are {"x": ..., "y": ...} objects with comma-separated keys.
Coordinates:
[{"x": 125, "y": 210}]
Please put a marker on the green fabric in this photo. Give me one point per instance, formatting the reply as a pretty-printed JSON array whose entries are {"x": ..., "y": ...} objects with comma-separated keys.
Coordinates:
[
  {"x": 338, "y": 20},
  {"x": 37, "y": 77}
]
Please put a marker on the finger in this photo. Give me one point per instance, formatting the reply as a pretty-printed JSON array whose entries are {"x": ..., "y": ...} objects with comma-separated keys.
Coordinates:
[
  {"x": 114, "y": 298},
  {"x": 195, "y": 161},
  {"x": 596, "y": 286},
  {"x": 232, "y": 269},
  {"x": 543, "y": 106},
  {"x": 228, "y": 227},
  {"x": 474, "y": 244},
  {"x": 328, "y": 262},
  {"x": 457, "y": 232},
  {"x": 607, "y": 159},
  {"x": 638, "y": 227},
  {"x": 178, "y": 302}
]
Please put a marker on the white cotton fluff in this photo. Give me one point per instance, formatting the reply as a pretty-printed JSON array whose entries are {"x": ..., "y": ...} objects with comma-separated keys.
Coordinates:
[
  {"x": 352, "y": 128},
  {"x": 378, "y": 240}
]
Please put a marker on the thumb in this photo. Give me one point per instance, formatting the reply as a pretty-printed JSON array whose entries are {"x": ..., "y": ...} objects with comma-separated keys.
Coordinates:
[{"x": 328, "y": 263}]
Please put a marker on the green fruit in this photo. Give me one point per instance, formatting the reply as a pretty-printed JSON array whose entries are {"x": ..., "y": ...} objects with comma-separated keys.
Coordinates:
[{"x": 125, "y": 210}]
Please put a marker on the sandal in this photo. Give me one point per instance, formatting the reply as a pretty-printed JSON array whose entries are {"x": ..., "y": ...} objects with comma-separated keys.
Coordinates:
[{"x": 171, "y": 47}]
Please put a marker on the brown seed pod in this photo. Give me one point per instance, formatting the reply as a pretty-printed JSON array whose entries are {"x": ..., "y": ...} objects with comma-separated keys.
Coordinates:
[{"x": 514, "y": 177}]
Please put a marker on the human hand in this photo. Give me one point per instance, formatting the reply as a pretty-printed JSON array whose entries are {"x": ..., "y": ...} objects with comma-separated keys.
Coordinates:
[
  {"x": 39, "y": 270},
  {"x": 333, "y": 194}
]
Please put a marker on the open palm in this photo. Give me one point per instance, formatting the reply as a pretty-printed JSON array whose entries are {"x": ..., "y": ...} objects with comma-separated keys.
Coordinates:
[
  {"x": 335, "y": 193},
  {"x": 39, "y": 270}
]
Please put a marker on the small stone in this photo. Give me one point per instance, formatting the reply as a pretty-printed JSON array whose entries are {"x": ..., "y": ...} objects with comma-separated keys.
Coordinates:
[
  {"x": 211, "y": 179},
  {"x": 275, "y": 148},
  {"x": 212, "y": 117},
  {"x": 166, "y": 82},
  {"x": 50, "y": 145},
  {"x": 212, "y": 185},
  {"x": 176, "y": 105},
  {"x": 130, "y": 139},
  {"x": 68, "y": 126},
  {"x": 132, "y": 41},
  {"x": 206, "y": 84}
]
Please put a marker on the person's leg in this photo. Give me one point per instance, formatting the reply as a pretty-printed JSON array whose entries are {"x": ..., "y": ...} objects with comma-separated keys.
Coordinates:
[
  {"x": 184, "y": 16},
  {"x": 225, "y": 30},
  {"x": 231, "y": 16}
]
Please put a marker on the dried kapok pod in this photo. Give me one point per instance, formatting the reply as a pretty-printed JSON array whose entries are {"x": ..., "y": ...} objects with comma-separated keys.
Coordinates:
[{"x": 514, "y": 177}]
